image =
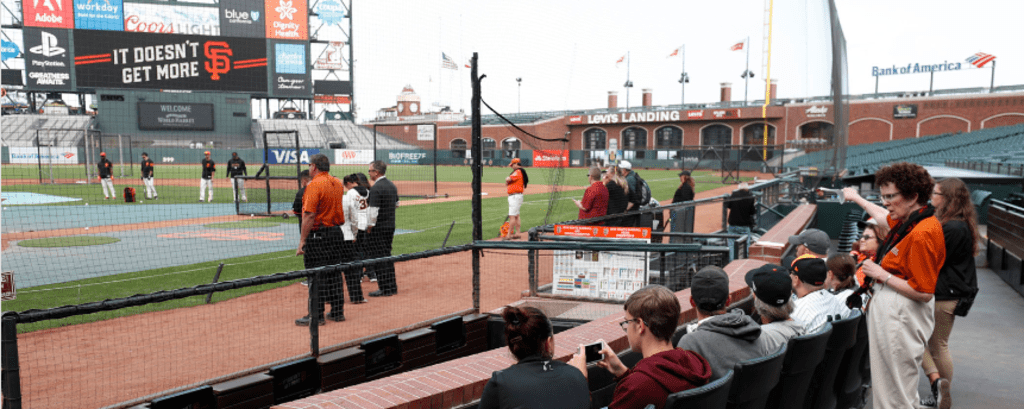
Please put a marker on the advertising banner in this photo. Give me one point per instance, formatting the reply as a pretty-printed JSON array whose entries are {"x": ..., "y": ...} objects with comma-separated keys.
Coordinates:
[
  {"x": 289, "y": 156},
  {"x": 406, "y": 157},
  {"x": 331, "y": 12},
  {"x": 424, "y": 132},
  {"x": 331, "y": 59},
  {"x": 242, "y": 18},
  {"x": 60, "y": 155},
  {"x": 9, "y": 291},
  {"x": 600, "y": 274},
  {"x": 904, "y": 111},
  {"x": 48, "y": 13},
  {"x": 332, "y": 99},
  {"x": 291, "y": 74},
  {"x": 99, "y": 15},
  {"x": 157, "y": 116},
  {"x": 551, "y": 158},
  {"x": 353, "y": 156},
  {"x": 48, "y": 61},
  {"x": 9, "y": 50},
  {"x": 287, "y": 19},
  {"x": 170, "y": 61},
  {"x": 171, "y": 19}
]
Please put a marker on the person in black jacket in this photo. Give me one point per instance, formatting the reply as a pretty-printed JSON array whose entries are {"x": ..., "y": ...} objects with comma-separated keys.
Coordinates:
[
  {"x": 685, "y": 191},
  {"x": 380, "y": 226},
  {"x": 206, "y": 182},
  {"x": 617, "y": 199},
  {"x": 106, "y": 170},
  {"x": 536, "y": 380},
  {"x": 742, "y": 209},
  {"x": 147, "y": 177},
  {"x": 236, "y": 167}
]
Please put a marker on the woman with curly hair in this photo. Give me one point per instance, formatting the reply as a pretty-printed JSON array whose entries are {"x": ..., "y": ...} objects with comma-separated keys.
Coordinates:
[
  {"x": 958, "y": 279},
  {"x": 902, "y": 276}
]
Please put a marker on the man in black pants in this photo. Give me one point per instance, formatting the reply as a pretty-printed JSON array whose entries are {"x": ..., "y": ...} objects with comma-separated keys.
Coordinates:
[
  {"x": 236, "y": 167},
  {"x": 321, "y": 239},
  {"x": 381, "y": 227}
]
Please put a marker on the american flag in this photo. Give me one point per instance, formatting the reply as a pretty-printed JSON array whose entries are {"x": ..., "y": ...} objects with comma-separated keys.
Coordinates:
[
  {"x": 980, "y": 59},
  {"x": 448, "y": 63},
  {"x": 738, "y": 46}
]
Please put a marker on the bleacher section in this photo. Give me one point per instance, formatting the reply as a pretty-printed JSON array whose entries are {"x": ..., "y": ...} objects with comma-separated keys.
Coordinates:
[
  {"x": 1003, "y": 144},
  {"x": 20, "y": 130},
  {"x": 359, "y": 137},
  {"x": 310, "y": 133}
]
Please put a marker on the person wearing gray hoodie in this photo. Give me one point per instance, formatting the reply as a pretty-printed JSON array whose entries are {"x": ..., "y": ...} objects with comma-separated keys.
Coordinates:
[{"x": 723, "y": 338}]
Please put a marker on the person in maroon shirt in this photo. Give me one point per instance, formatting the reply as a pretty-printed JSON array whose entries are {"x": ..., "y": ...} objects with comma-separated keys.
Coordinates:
[{"x": 595, "y": 199}]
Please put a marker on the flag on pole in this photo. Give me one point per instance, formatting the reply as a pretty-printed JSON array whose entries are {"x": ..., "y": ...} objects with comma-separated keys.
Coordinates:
[
  {"x": 738, "y": 46},
  {"x": 980, "y": 59},
  {"x": 447, "y": 62},
  {"x": 469, "y": 63},
  {"x": 619, "y": 61},
  {"x": 675, "y": 52}
]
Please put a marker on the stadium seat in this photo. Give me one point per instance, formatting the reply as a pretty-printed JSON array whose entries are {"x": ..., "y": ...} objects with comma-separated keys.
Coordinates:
[
  {"x": 851, "y": 379},
  {"x": 821, "y": 394},
  {"x": 714, "y": 395},
  {"x": 805, "y": 353},
  {"x": 602, "y": 383},
  {"x": 755, "y": 379}
]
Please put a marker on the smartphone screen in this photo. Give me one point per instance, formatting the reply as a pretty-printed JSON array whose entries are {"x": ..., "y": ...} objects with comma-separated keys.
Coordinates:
[{"x": 593, "y": 352}]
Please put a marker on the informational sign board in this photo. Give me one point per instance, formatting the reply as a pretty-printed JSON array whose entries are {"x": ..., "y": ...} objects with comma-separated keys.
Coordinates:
[
  {"x": 9, "y": 292},
  {"x": 58, "y": 155},
  {"x": 160, "y": 116},
  {"x": 424, "y": 132},
  {"x": 612, "y": 275},
  {"x": 904, "y": 111},
  {"x": 291, "y": 76},
  {"x": 353, "y": 156}
]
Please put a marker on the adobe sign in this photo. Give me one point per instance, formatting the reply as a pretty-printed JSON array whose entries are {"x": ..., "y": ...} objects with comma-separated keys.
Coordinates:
[{"x": 49, "y": 13}]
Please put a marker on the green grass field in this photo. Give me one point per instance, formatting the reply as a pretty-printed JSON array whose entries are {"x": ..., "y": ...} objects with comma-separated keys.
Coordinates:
[
  {"x": 72, "y": 241},
  {"x": 431, "y": 222}
]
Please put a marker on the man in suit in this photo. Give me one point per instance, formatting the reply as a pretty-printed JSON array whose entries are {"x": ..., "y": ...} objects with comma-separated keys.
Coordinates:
[{"x": 380, "y": 227}]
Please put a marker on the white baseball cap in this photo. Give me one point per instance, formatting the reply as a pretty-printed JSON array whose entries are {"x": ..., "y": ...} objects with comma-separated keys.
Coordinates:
[{"x": 625, "y": 164}]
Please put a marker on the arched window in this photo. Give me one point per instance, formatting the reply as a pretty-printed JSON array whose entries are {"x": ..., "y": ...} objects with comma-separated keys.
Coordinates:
[
  {"x": 668, "y": 137},
  {"x": 634, "y": 138},
  {"x": 511, "y": 144},
  {"x": 595, "y": 139},
  {"x": 716, "y": 135},
  {"x": 458, "y": 147},
  {"x": 753, "y": 134},
  {"x": 817, "y": 131},
  {"x": 488, "y": 146}
]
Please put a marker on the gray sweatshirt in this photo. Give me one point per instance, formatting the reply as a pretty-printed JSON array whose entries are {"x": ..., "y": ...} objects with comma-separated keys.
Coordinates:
[{"x": 725, "y": 340}]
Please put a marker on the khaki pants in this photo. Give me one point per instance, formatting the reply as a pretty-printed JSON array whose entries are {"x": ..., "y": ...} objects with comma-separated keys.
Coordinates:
[
  {"x": 938, "y": 358},
  {"x": 898, "y": 329}
]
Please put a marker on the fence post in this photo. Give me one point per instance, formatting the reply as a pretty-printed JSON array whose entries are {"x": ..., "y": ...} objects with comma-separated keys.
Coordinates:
[
  {"x": 725, "y": 214},
  {"x": 314, "y": 313},
  {"x": 11, "y": 369},
  {"x": 531, "y": 256}
]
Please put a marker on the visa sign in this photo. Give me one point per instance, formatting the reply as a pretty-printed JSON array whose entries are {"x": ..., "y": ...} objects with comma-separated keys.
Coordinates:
[{"x": 289, "y": 156}]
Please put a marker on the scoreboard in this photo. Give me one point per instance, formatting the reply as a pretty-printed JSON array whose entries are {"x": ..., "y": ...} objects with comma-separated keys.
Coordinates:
[{"x": 247, "y": 46}]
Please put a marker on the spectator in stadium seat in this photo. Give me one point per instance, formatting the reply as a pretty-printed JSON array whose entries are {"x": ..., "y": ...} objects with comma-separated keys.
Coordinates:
[
  {"x": 595, "y": 198},
  {"x": 867, "y": 246},
  {"x": 812, "y": 241},
  {"x": 903, "y": 277},
  {"x": 651, "y": 316},
  {"x": 617, "y": 194},
  {"x": 773, "y": 302},
  {"x": 634, "y": 195},
  {"x": 321, "y": 238},
  {"x": 536, "y": 380},
  {"x": 723, "y": 338},
  {"x": 380, "y": 226},
  {"x": 209, "y": 167},
  {"x": 515, "y": 185},
  {"x": 841, "y": 281},
  {"x": 814, "y": 305},
  {"x": 236, "y": 167}
]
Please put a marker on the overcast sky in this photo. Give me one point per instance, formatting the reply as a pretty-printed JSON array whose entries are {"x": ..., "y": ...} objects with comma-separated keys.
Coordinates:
[{"x": 565, "y": 51}]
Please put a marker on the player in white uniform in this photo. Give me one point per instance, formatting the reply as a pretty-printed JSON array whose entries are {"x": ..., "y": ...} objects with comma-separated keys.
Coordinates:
[
  {"x": 356, "y": 216},
  {"x": 147, "y": 177},
  {"x": 106, "y": 176}
]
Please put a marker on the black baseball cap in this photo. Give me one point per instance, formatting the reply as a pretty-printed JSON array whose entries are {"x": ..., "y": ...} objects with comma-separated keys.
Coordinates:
[
  {"x": 684, "y": 173},
  {"x": 771, "y": 284},
  {"x": 710, "y": 288},
  {"x": 811, "y": 270}
]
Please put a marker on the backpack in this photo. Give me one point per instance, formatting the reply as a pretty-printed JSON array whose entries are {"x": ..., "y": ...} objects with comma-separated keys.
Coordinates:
[
  {"x": 129, "y": 194},
  {"x": 645, "y": 190}
]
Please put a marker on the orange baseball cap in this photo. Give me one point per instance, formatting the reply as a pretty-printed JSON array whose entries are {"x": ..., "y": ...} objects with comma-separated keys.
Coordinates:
[
  {"x": 206, "y": 153},
  {"x": 514, "y": 162},
  {"x": 103, "y": 154}
]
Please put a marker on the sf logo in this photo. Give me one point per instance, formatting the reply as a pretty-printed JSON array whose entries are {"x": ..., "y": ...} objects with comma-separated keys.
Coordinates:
[{"x": 217, "y": 52}]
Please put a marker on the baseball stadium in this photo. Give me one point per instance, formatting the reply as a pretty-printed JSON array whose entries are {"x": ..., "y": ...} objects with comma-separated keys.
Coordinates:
[{"x": 376, "y": 156}]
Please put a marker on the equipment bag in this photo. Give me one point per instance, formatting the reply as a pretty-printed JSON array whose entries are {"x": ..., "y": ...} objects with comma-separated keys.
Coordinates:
[
  {"x": 645, "y": 191},
  {"x": 129, "y": 194}
]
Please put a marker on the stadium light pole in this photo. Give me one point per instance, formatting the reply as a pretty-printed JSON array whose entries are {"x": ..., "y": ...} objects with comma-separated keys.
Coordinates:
[{"x": 519, "y": 98}]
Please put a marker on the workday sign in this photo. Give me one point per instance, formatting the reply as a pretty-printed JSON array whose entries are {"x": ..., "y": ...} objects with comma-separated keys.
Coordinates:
[{"x": 289, "y": 156}]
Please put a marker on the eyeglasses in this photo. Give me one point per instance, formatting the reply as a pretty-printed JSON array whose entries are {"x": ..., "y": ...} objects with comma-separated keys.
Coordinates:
[
  {"x": 623, "y": 324},
  {"x": 889, "y": 197},
  {"x": 866, "y": 237},
  {"x": 937, "y": 194}
]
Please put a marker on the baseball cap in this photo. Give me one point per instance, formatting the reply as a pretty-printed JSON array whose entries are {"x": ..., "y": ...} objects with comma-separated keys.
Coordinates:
[
  {"x": 625, "y": 164},
  {"x": 869, "y": 222},
  {"x": 815, "y": 240},
  {"x": 771, "y": 284},
  {"x": 710, "y": 288},
  {"x": 811, "y": 270},
  {"x": 145, "y": 154},
  {"x": 206, "y": 153},
  {"x": 684, "y": 173},
  {"x": 103, "y": 154},
  {"x": 515, "y": 161}
]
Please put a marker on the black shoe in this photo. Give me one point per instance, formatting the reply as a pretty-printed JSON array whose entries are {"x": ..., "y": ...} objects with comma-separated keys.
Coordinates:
[
  {"x": 336, "y": 317},
  {"x": 304, "y": 322},
  {"x": 382, "y": 294},
  {"x": 359, "y": 301}
]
